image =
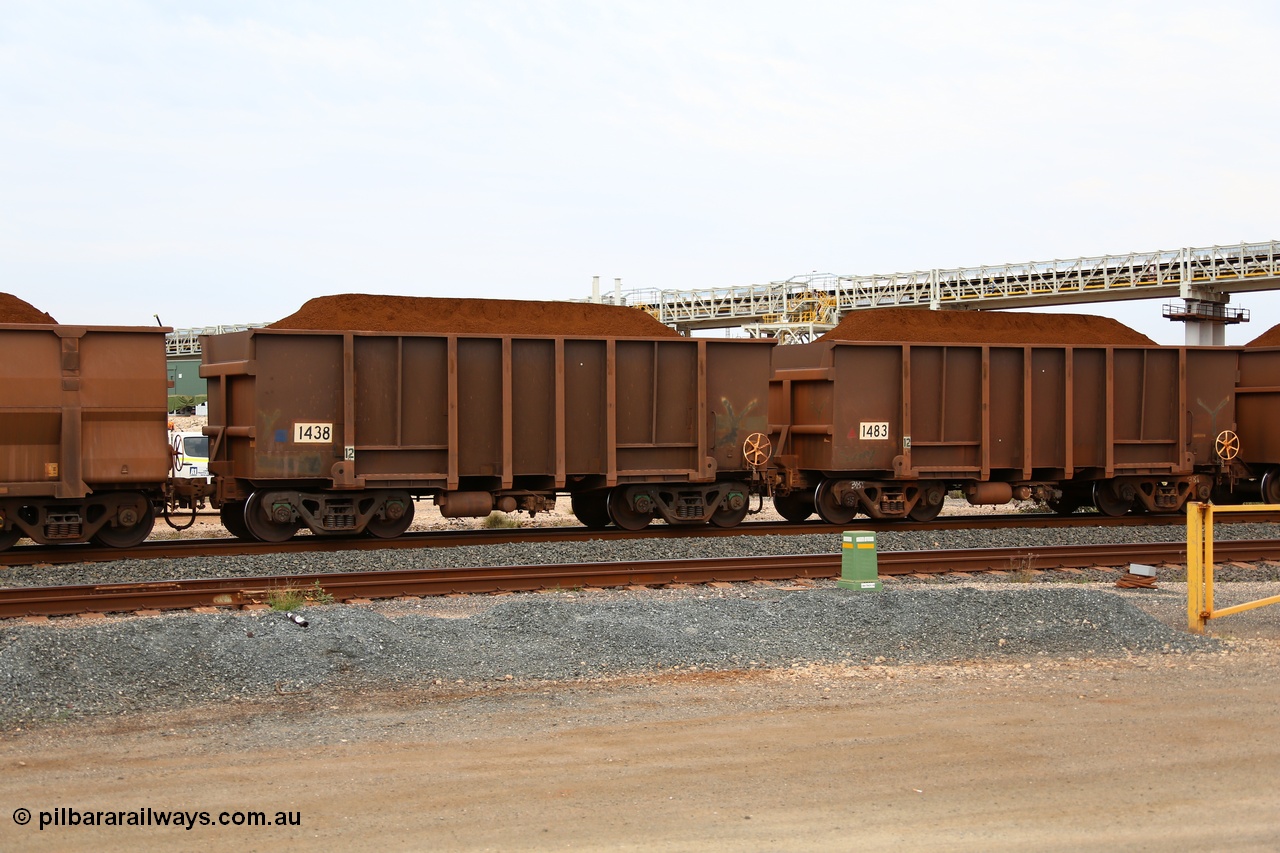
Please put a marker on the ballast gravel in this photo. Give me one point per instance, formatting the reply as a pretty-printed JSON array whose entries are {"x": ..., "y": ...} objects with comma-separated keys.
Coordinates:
[
  {"x": 49, "y": 671},
  {"x": 594, "y": 551}
]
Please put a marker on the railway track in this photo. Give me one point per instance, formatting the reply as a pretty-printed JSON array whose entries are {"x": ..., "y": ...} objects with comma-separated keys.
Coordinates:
[
  {"x": 241, "y": 592},
  {"x": 157, "y": 549}
]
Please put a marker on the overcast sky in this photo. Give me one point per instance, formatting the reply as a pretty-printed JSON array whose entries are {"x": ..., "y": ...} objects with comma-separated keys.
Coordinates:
[{"x": 223, "y": 162}]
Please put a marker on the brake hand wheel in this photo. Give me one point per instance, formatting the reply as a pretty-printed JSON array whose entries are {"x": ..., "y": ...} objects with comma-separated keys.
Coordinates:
[
  {"x": 1227, "y": 445},
  {"x": 757, "y": 449}
]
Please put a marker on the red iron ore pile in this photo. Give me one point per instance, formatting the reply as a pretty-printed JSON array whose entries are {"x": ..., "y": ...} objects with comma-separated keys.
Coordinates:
[
  {"x": 15, "y": 310},
  {"x": 1269, "y": 338},
  {"x": 921, "y": 325},
  {"x": 431, "y": 315}
]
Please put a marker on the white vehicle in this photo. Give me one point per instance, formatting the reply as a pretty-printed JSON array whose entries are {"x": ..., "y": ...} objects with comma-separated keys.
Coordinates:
[{"x": 191, "y": 454}]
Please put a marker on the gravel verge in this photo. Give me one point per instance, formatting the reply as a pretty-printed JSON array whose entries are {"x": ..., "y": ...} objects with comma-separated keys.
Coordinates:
[{"x": 67, "y": 668}]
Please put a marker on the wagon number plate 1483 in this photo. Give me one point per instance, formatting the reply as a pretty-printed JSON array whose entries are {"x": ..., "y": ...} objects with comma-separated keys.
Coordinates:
[
  {"x": 873, "y": 430},
  {"x": 312, "y": 433}
]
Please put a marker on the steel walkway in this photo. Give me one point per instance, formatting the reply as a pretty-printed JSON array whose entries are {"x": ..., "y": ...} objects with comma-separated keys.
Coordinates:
[{"x": 819, "y": 300}]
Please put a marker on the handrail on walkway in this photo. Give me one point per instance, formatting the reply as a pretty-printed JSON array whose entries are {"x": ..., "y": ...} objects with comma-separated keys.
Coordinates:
[{"x": 1200, "y": 564}]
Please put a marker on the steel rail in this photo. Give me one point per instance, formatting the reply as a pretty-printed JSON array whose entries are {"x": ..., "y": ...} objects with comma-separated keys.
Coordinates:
[
  {"x": 236, "y": 592},
  {"x": 163, "y": 549}
]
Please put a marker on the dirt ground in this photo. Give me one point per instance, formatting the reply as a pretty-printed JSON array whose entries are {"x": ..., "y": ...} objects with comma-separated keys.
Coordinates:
[{"x": 1151, "y": 753}]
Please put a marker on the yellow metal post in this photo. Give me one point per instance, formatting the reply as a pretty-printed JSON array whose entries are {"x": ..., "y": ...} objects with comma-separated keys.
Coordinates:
[
  {"x": 1207, "y": 535},
  {"x": 1195, "y": 568}
]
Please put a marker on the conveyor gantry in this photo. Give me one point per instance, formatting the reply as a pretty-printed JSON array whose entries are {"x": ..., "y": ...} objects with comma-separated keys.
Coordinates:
[{"x": 1204, "y": 277}]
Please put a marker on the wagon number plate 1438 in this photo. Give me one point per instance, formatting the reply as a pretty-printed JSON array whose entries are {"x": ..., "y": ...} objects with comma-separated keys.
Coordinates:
[
  {"x": 312, "y": 433},
  {"x": 873, "y": 430}
]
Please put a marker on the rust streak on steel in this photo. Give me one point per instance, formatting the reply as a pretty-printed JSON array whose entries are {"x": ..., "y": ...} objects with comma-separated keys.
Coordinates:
[
  {"x": 168, "y": 595},
  {"x": 179, "y": 548}
]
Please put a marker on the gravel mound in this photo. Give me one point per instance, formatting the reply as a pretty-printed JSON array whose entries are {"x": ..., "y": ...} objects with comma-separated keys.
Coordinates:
[{"x": 183, "y": 659}]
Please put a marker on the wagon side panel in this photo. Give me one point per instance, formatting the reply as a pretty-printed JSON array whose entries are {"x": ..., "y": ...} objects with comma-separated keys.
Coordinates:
[
  {"x": 1146, "y": 413},
  {"x": 657, "y": 405},
  {"x": 1090, "y": 414},
  {"x": 868, "y": 425},
  {"x": 946, "y": 421},
  {"x": 123, "y": 407},
  {"x": 31, "y": 398},
  {"x": 1004, "y": 411},
  {"x": 1050, "y": 423},
  {"x": 587, "y": 413},
  {"x": 401, "y": 409},
  {"x": 737, "y": 398},
  {"x": 535, "y": 416}
]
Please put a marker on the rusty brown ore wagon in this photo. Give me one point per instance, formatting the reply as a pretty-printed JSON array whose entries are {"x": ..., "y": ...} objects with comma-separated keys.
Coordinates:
[
  {"x": 83, "y": 448},
  {"x": 341, "y": 431},
  {"x": 888, "y": 429}
]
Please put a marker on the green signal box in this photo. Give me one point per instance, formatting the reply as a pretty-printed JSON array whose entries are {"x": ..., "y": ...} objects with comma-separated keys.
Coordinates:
[{"x": 859, "y": 568}]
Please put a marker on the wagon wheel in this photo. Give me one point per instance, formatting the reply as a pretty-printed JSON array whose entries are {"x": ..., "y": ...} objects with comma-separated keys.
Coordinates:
[
  {"x": 932, "y": 498},
  {"x": 1271, "y": 486},
  {"x": 1108, "y": 502},
  {"x": 1067, "y": 504},
  {"x": 591, "y": 508},
  {"x": 8, "y": 537},
  {"x": 794, "y": 507},
  {"x": 390, "y": 528},
  {"x": 726, "y": 515},
  {"x": 263, "y": 528},
  {"x": 232, "y": 515},
  {"x": 623, "y": 514},
  {"x": 831, "y": 510},
  {"x": 1227, "y": 445},
  {"x": 127, "y": 537},
  {"x": 757, "y": 449}
]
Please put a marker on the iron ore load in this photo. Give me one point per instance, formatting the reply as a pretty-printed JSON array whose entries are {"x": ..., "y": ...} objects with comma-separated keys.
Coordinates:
[{"x": 342, "y": 417}]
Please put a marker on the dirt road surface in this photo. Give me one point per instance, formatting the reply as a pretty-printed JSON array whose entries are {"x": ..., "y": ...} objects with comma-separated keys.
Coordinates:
[{"x": 1153, "y": 753}]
